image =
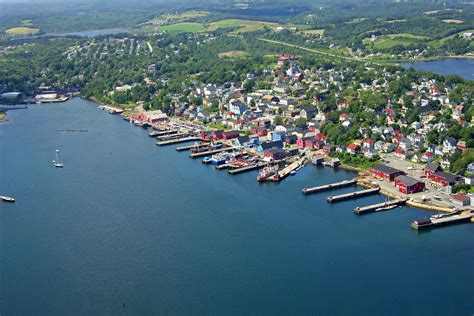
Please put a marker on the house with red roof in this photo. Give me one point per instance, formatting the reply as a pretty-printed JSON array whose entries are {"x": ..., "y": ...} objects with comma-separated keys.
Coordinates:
[{"x": 353, "y": 149}]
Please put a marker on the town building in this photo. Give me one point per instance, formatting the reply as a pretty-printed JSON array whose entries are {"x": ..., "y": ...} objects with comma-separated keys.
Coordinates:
[
  {"x": 385, "y": 172},
  {"x": 408, "y": 185}
]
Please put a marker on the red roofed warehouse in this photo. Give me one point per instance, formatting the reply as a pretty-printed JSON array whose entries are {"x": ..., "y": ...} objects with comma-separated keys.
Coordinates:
[
  {"x": 408, "y": 185},
  {"x": 385, "y": 172}
]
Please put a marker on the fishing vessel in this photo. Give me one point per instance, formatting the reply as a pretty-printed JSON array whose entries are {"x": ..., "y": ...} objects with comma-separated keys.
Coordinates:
[
  {"x": 219, "y": 159},
  {"x": 56, "y": 162},
  {"x": 267, "y": 172},
  {"x": 7, "y": 199}
]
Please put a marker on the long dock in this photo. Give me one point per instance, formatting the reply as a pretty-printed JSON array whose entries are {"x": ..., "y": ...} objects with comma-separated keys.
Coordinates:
[
  {"x": 327, "y": 187},
  {"x": 170, "y": 132},
  {"x": 456, "y": 218},
  {"x": 188, "y": 147},
  {"x": 352, "y": 195},
  {"x": 173, "y": 136},
  {"x": 247, "y": 168},
  {"x": 177, "y": 141},
  {"x": 384, "y": 206},
  {"x": 211, "y": 152}
]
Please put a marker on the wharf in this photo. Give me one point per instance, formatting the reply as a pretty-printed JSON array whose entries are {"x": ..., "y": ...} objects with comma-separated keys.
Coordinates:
[
  {"x": 283, "y": 173},
  {"x": 457, "y": 218},
  {"x": 352, "y": 195},
  {"x": 327, "y": 187},
  {"x": 188, "y": 147},
  {"x": 247, "y": 168},
  {"x": 177, "y": 141},
  {"x": 379, "y": 206},
  {"x": 211, "y": 152},
  {"x": 222, "y": 167},
  {"x": 173, "y": 136},
  {"x": 174, "y": 131}
]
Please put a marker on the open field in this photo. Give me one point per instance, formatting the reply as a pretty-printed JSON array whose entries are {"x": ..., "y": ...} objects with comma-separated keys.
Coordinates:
[
  {"x": 183, "y": 27},
  {"x": 319, "y": 32},
  {"x": 390, "y": 40},
  {"x": 233, "y": 54},
  {"x": 21, "y": 31},
  {"x": 239, "y": 25},
  {"x": 453, "y": 21},
  {"x": 441, "y": 41}
]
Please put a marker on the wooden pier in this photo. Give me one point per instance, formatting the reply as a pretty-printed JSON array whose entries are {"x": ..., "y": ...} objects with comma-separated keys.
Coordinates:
[
  {"x": 211, "y": 152},
  {"x": 457, "y": 217},
  {"x": 283, "y": 173},
  {"x": 177, "y": 141},
  {"x": 352, "y": 195},
  {"x": 327, "y": 187},
  {"x": 173, "y": 136},
  {"x": 188, "y": 147},
  {"x": 164, "y": 133},
  {"x": 247, "y": 168},
  {"x": 384, "y": 206}
]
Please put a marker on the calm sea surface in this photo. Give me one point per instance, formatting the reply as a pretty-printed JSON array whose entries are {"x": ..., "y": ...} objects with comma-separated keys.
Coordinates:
[
  {"x": 127, "y": 220},
  {"x": 463, "y": 67}
]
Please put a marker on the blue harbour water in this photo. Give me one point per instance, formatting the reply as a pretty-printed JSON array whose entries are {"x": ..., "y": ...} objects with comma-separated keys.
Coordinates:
[
  {"x": 127, "y": 220},
  {"x": 463, "y": 67}
]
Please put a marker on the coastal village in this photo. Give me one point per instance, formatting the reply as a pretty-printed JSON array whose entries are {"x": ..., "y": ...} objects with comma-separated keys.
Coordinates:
[
  {"x": 289, "y": 113},
  {"x": 270, "y": 130}
]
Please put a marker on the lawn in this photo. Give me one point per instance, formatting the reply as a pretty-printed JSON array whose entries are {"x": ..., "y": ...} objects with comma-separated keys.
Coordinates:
[{"x": 21, "y": 31}]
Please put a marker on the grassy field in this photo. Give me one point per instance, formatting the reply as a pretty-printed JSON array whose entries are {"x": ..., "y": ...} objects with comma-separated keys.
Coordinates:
[
  {"x": 440, "y": 42},
  {"x": 319, "y": 32},
  {"x": 233, "y": 54},
  {"x": 22, "y": 31},
  {"x": 183, "y": 27},
  {"x": 390, "y": 40},
  {"x": 241, "y": 26}
]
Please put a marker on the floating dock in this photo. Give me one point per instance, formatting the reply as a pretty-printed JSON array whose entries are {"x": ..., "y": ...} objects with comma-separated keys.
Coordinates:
[
  {"x": 222, "y": 167},
  {"x": 211, "y": 152},
  {"x": 247, "y": 168},
  {"x": 327, "y": 187},
  {"x": 352, "y": 195},
  {"x": 384, "y": 206},
  {"x": 457, "y": 217},
  {"x": 177, "y": 141}
]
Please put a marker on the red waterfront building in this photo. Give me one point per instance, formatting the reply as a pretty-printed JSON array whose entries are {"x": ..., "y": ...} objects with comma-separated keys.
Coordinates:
[
  {"x": 385, "y": 172},
  {"x": 409, "y": 185}
]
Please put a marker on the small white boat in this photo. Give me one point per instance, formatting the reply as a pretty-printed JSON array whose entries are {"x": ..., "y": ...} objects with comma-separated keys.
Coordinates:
[
  {"x": 7, "y": 199},
  {"x": 292, "y": 172},
  {"x": 56, "y": 162}
]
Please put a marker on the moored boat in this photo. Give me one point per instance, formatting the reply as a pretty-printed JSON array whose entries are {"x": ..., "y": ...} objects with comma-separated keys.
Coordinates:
[{"x": 267, "y": 172}]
